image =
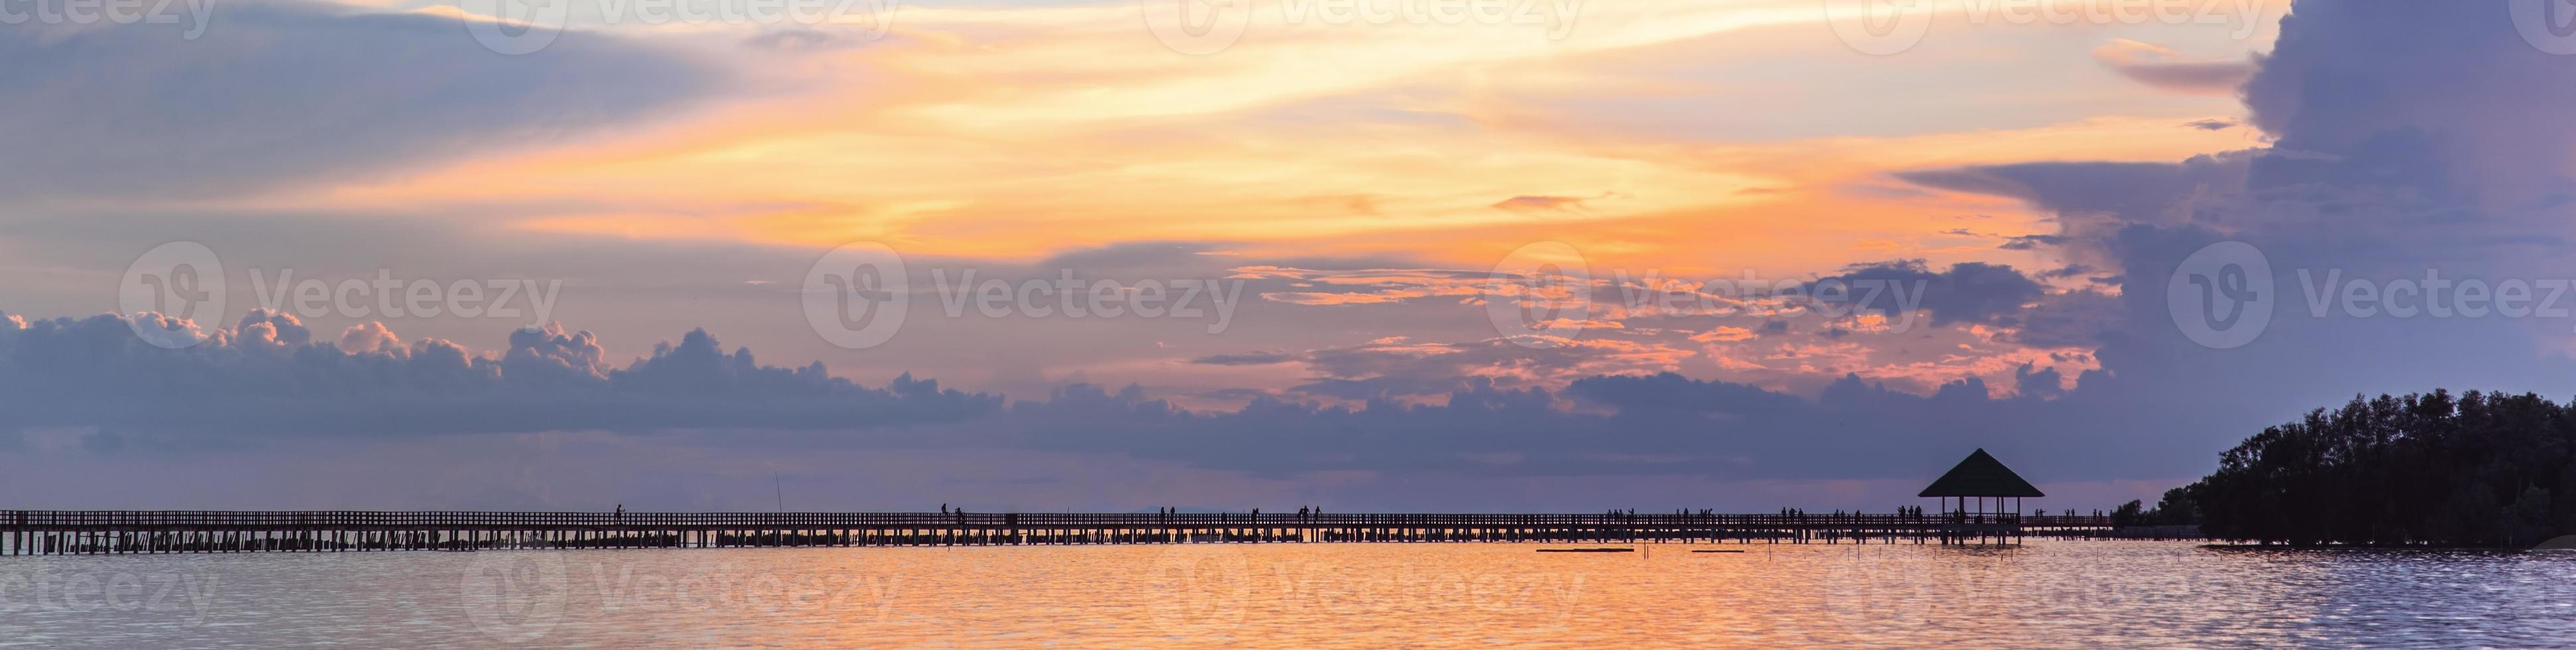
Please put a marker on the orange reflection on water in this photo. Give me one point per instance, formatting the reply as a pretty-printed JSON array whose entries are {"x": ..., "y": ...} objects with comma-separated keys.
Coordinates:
[{"x": 2046, "y": 594}]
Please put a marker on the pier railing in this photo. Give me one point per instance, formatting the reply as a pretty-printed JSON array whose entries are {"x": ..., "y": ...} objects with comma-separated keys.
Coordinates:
[
  {"x": 424, "y": 520},
  {"x": 59, "y": 532}
]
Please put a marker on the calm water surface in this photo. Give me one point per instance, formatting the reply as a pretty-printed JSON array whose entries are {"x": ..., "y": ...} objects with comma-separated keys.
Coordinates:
[{"x": 2054, "y": 593}]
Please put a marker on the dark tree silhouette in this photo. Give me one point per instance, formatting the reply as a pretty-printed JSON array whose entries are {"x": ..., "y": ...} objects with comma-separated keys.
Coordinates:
[{"x": 2479, "y": 469}]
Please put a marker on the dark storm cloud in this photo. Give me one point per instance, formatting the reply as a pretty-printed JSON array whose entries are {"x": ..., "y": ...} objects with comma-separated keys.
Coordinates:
[
  {"x": 2043, "y": 382},
  {"x": 2031, "y": 242},
  {"x": 2406, "y": 137},
  {"x": 2349, "y": 77},
  {"x": 266, "y": 377},
  {"x": 1968, "y": 292},
  {"x": 269, "y": 381},
  {"x": 2132, "y": 192},
  {"x": 2068, "y": 271},
  {"x": 2071, "y": 319}
]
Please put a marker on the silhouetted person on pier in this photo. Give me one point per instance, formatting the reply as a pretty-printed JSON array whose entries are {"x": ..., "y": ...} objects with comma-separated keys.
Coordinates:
[
  {"x": 621, "y": 514},
  {"x": 943, "y": 508}
]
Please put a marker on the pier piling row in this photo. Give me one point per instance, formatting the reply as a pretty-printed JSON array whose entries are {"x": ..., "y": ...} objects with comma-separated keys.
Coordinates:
[{"x": 60, "y": 532}]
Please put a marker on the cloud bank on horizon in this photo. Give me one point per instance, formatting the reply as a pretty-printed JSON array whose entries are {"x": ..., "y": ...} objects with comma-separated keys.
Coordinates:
[{"x": 1359, "y": 183}]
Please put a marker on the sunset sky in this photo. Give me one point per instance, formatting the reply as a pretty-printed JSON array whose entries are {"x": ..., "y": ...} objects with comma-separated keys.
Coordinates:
[{"x": 1364, "y": 181}]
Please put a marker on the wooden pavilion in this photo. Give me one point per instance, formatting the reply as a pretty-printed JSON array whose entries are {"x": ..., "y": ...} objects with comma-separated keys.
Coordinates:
[{"x": 1972, "y": 482}]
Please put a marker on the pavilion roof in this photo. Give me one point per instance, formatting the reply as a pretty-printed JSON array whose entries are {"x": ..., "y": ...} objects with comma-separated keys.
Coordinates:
[{"x": 1980, "y": 475}]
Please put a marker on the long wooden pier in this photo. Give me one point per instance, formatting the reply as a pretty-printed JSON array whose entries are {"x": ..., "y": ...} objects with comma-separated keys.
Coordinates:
[{"x": 58, "y": 532}]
